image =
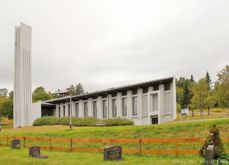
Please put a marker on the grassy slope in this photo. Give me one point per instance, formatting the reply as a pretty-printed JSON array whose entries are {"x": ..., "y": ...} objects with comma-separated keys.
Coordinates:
[
  {"x": 189, "y": 129},
  {"x": 21, "y": 156}
]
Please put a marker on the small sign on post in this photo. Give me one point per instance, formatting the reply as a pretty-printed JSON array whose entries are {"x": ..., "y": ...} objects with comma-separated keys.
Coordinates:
[
  {"x": 113, "y": 153},
  {"x": 15, "y": 144},
  {"x": 184, "y": 112}
]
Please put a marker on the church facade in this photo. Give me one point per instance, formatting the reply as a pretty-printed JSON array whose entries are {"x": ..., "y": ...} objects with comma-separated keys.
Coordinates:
[{"x": 151, "y": 102}]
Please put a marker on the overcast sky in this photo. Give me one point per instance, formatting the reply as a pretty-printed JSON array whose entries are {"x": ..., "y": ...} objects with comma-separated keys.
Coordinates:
[{"x": 108, "y": 43}]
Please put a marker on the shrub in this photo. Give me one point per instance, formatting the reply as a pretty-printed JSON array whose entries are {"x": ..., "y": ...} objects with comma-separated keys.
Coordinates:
[
  {"x": 89, "y": 121},
  {"x": 219, "y": 110},
  {"x": 46, "y": 121},
  {"x": 117, "y": 122}
]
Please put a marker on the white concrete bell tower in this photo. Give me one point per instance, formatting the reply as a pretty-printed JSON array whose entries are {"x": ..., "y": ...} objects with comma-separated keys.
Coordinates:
[{"x": 22, "y": 75}]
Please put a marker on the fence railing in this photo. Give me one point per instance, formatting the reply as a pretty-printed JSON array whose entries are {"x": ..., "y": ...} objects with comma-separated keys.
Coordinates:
[{"x": 133, "y": 146}]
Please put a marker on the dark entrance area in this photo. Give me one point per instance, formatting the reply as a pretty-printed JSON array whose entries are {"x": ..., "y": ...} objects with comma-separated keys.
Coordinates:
[
  {"x": 47, "y": 112},
  {"x": 154, "y": 119},
  {"x": 47, "y": 109}
]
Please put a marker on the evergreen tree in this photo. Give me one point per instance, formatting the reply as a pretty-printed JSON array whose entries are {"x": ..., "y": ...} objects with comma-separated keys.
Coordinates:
[
  {"x": 186, "y": 100},
  {"x": 79, "y": 89},
  {"x": 208, "y": 79},
  {"x": 191, "y": 78},
  {"x": 222, "y": 87}
]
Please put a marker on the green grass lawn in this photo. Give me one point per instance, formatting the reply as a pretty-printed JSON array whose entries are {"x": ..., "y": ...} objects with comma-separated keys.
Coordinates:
[
  {"x": 20, "y": 156},
  {"x": 174, "y": 130},
  {"x": 169, "y": 130}
]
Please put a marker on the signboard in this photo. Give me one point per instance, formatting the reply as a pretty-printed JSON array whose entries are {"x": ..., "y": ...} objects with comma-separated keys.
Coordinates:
[
  {"x": 113, "y": 153},
  {"x": 185, "y": 112}
]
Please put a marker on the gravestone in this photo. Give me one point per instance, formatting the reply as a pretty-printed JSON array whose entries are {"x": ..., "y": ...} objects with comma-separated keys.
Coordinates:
[
  {"x": 35, "y": 152},
  {"x": 113, "y": 153},
  {"x": 15, "y": 144},
  {"x": 209, "y": 157}
]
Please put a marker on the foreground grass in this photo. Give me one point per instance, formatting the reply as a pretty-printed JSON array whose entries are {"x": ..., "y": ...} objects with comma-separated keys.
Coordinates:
[
  {"x": 173, "y": 130},
  {"x": 17, "y": 157}
]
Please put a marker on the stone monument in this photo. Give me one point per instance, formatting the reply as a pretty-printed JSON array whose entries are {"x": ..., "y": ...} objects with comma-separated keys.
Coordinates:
[
  {"x": 15, "y": 144},
  {"x": 35, "y": 152},
  {"x": 113, "y": 153}
]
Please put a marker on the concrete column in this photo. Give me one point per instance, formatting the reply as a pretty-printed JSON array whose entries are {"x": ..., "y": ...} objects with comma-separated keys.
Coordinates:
[
  {"x": 161, "y": 107},
  {"x": 173, "y": 87},
  {"x": 73, "y": 109},
  {"x": 119, "y": 104},
  {"x": 139, "y": 105},
  {"x": 81, "y": 108},
  {"x": 129, "y": 104},
  {"x": 150, "y": 89},
  {"x": 54, "y": 112},
  {"x": 99, "y": 107},
  {"x": 90, "y": 107},
  {"x": 109, "y": 106},
  {"x": 67, "y": 110}
]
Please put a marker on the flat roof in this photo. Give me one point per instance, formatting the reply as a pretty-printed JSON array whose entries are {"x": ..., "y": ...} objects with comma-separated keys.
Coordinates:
[{"x": 110, "y": 90}]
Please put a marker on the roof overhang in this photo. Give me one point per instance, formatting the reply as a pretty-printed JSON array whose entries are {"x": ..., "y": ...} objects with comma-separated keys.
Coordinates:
[{"x": 109, "y": 91}]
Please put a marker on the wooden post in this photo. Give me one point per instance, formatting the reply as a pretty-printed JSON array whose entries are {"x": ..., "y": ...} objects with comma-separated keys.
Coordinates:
[
  {"x": 50, "y": 144},
  {"x": 111, "y": 142},
  {"x": 7, "y": 141},
  {"x": 140, "y": 146},
  {"x": 71, "y": 144},
  {"x": 24, "y": 141},
  {"x": 177, "y": 147}
]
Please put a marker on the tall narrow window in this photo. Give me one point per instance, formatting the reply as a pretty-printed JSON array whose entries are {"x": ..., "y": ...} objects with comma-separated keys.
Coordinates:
[
  {"x": 85, "y": 109},
  {"x": 77, "y": 109},
  {"x": 104, "y": 108},
  {"x": 154, "y": 102},
  {"x": 64, "y": 111},
  {"x": 124, "y": 107},
  {"x": 167, "y": 87},
  {"x": 145, "y": 104},
  {"x": 95, "y": 109},
  {"x": 114, "y": 107},
  {"x": 134, "y": 106}
]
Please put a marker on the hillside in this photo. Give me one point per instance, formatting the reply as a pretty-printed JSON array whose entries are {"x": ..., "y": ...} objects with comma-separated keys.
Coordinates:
[{"x": 186, "y": 129}]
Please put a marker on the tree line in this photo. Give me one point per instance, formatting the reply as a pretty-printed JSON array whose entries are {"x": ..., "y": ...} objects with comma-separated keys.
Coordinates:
[
  {"x": 204, "y": 93},
  {"x": 195, "y": 95},
  {"x": 39, "y": 94}
]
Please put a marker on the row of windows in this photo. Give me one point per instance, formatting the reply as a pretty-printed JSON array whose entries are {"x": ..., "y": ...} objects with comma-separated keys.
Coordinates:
[
  {"x": 104, "y": 108},
  {"x": 153, "y": 106},
  {"x": 94, "y": 109}
]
